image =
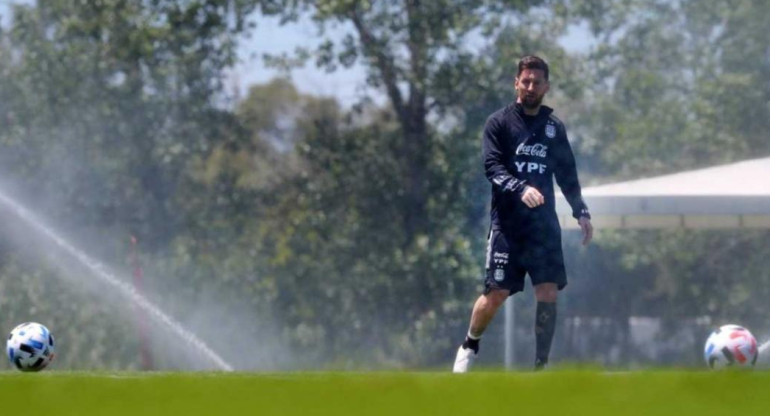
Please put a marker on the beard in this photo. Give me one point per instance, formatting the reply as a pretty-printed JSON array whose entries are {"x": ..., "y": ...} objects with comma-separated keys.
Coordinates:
[{"x": 531, "y": 102}]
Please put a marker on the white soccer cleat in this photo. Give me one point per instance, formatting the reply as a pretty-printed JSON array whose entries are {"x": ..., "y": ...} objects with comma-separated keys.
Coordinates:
[{"x": 464, "y": 360}]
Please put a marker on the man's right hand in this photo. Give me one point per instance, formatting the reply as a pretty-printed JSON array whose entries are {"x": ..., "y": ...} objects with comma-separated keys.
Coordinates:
[{"x": 531, "y": 197}]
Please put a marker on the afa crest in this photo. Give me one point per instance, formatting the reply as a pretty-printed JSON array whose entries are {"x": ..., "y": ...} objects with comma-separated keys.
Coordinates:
[
  {"x": 550, "y": 131},
  {"x": 499, "y": 275}
]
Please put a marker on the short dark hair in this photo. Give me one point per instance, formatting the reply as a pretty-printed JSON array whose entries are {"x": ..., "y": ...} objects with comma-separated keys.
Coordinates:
[{"x": 533, "y": 62}]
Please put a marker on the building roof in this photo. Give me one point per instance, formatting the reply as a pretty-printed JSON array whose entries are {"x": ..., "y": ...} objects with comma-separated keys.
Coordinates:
[{"x": 732, "y": 195}]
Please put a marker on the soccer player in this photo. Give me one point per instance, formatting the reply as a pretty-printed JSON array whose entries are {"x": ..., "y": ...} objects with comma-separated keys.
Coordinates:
[{"x": 524, "y": 147}]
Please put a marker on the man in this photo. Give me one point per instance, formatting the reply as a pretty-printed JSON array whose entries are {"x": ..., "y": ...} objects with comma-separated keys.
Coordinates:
[{"x": 524, "y": 147}]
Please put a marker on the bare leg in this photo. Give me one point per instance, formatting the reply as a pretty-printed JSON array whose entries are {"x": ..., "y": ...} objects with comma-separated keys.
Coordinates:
[{"x": 484, "y": 310}]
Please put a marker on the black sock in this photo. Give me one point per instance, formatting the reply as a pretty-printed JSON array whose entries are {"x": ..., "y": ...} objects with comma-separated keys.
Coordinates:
[
  {"x": 471, "y": 343},
  {"x": 545, "y": 325}
]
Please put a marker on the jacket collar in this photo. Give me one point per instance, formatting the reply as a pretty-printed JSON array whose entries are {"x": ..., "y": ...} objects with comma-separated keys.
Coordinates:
[{"x": 545, "y": 111}]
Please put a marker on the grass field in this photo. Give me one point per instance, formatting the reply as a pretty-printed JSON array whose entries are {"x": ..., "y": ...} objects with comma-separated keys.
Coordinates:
[{"x": 553, "y": 393}]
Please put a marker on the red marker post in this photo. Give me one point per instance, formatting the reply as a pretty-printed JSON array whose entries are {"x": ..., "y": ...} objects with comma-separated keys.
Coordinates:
[{"x": 141, "y": 318}]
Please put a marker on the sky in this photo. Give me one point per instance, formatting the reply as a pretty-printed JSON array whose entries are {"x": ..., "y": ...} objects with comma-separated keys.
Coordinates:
[
  {"x": 347, "y": 85},
  {"x": 269, "y": 37}
]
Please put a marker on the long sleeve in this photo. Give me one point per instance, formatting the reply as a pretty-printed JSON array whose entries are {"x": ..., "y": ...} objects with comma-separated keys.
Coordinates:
[
  {"x": 567, "y": 177},
  {"x": 494, "y": 156}
]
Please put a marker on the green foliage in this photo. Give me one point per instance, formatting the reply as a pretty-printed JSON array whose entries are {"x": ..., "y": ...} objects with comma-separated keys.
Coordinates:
[
  {"x": 354, "y": 238},
  {"x": 117, "y": 96},
  {"x": 672, "y": 90},
  {"x": 87, "y": 334},
  {"x": 679, "y": 85},
  {"x": 105, "y": 104}
]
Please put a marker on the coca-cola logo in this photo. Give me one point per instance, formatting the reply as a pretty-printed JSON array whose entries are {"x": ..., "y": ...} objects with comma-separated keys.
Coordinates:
[{"x": 539, "y": 150}]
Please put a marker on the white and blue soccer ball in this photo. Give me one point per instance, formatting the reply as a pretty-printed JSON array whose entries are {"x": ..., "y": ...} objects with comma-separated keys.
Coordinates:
[
  {"x": 731, "y": 346},
  {"x": 30, "y": 347}
]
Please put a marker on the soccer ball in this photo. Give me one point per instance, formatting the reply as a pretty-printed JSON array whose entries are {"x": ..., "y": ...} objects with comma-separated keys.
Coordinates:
[
  {"x": 30, "y": 347},
  {"x": 731, "y": 346}
]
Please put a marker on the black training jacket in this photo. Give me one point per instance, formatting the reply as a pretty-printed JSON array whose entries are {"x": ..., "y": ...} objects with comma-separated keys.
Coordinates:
[{"x": 516, "y": 156}]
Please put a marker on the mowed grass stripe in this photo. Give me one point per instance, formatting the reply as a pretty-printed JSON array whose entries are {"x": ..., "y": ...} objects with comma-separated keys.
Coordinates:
[{"x": 408, "y": 393}]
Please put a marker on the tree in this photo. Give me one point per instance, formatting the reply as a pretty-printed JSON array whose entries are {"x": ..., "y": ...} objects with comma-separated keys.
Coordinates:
[
  {"x": 409, "y": 49},
  {"x": 677, "y": 86},
  {"x": 416, "y": 254},
  {"x": 105, "y": 106},
  {"x": 113, "y": 97}
]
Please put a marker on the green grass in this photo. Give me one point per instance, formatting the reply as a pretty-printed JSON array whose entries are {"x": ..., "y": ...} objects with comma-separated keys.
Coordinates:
[{"x": 552, "y": 393}]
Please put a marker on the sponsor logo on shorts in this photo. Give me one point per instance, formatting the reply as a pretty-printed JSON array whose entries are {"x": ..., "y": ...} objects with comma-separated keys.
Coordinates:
[
  {"x": 500, "y": 258},
  {"x": 499, "y": 275}
]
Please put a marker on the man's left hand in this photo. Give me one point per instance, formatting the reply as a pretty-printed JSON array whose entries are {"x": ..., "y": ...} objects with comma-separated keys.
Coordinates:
[{"x": 587, "y": 228}]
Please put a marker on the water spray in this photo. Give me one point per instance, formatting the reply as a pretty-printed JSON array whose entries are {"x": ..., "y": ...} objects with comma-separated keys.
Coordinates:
[
  {"x": 764, "y": 346},
  {"x": 126, "y": 290}
]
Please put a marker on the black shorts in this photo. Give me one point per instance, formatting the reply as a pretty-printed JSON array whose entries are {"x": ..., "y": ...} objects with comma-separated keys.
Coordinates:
[{"x": 510, "y": 258}]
